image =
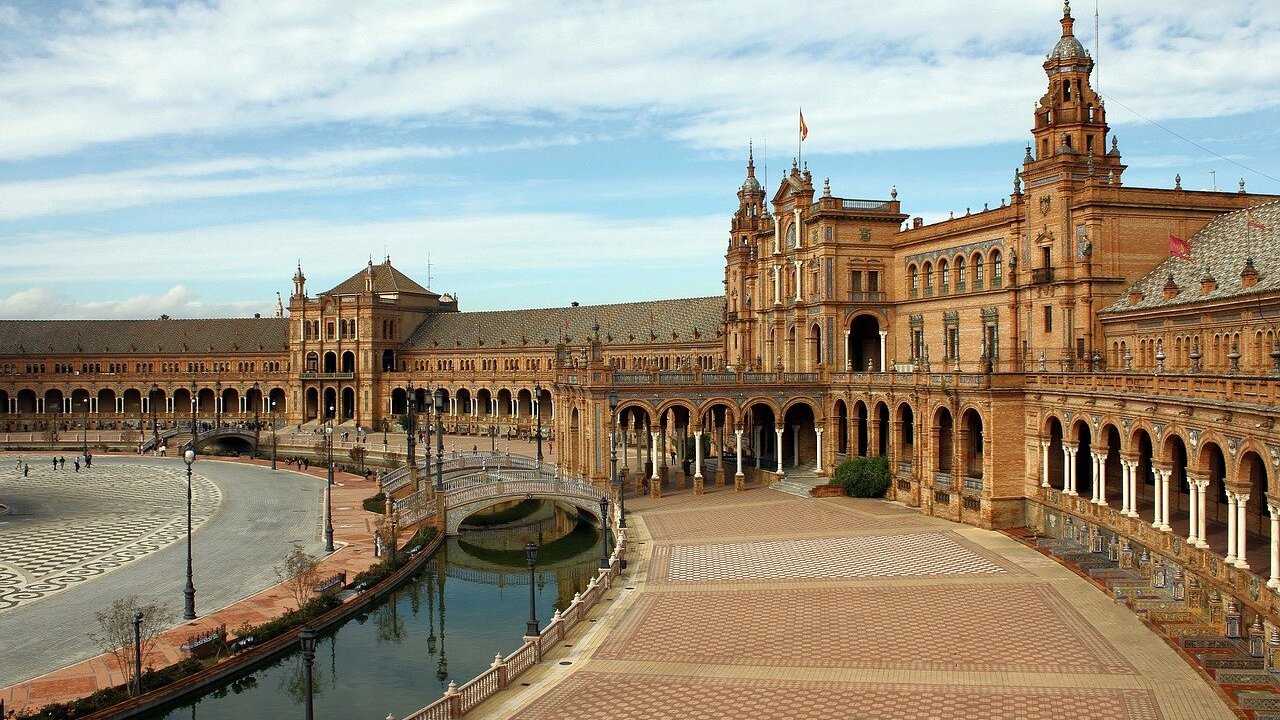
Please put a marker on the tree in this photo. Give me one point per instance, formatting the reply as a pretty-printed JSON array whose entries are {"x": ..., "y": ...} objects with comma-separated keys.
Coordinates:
[
  {"x": 357, "y": 456},
  {"x": 863, "y": 477},
  {"x": 115, "y": 636},
  {"x": 299, "y": 574}
]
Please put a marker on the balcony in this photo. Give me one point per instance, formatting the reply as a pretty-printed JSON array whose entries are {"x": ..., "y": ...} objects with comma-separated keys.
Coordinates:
[
  {"x": 327, "y": 376},
  {"x": 872, "y": 296},
  {"x": 1041, "y": 276}
]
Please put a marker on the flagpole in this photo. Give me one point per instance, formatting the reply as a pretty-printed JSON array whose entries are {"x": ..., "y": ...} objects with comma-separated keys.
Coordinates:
[{"x": 800, "y": 141}]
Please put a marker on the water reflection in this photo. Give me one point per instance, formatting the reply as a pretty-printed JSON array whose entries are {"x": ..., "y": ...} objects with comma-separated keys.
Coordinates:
[{"x": 396, "y": 658}]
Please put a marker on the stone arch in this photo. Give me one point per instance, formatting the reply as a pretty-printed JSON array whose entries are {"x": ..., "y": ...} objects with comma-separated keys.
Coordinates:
[
  {"x": 883, "y": 425},
  {"x": 399, "y": 401},
  {"x": 1251, "y": 474},
  {"x": 312, "y": 405},
  {"x": 462, "y": 401},
  {"x": 800, "y": 418},
  {"x": 840, "y": 410},
  {"x": 330, "y": 362},
  {"x": 276, "y": 401},
  {"x": 348, "y": 362},
  {"x": 906, "y": 432},
  {"x": 814, "y": 354},
  {"x": 205, "y": 402},
  {"x": 484, "y": 401},
  {"x": 1053, "y": 432},
  {"x": 347, "y": 408},
  {"x": 230, "y": 400},
  {"x": 26, "y": 398},
  {"x": 760, "y": 417},
  {"x": 972, "y": 446},
  {"x": 330, "y": 408},
  {"x": 863, "y": 347},
  {"x": 1211, "y": 465},
  {"x": 944, "y": 439},
  {"x": 861, "y": 421},
  {"x": 1110, "y": 443}
]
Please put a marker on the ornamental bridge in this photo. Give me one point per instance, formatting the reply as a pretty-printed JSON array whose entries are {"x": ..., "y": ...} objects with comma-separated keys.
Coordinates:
[
  {"x": 483, "y": 480},
  {"x": 239, "y": 438}
]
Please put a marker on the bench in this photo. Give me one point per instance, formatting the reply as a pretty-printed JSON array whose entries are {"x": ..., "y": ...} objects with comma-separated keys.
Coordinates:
[
  {"x": 331, "y": 583},
  {"x": 206, "y": 643}
]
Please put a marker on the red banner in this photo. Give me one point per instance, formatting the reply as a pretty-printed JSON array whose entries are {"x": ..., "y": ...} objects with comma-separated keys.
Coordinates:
[{"x": 1179, "y": 248}]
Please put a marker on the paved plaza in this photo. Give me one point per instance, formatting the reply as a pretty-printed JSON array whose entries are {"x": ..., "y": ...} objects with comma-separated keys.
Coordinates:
[
  {"x": 760, "y": 604},
  {"x": 73, "y": 543}
]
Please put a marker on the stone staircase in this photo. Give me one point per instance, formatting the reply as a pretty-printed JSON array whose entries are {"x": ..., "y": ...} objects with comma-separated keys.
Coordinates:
[
  {"x": 799, "y": 480},
  {"x": 1243, "y": 678}
]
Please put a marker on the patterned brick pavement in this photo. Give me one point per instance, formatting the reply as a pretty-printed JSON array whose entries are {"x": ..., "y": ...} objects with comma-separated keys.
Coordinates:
[
  {"x": 612, "y": 696},
  {"x": 960, "y": 628},
  {"x": 792, "y": 518},
  {"x": 849, "y": 557}
]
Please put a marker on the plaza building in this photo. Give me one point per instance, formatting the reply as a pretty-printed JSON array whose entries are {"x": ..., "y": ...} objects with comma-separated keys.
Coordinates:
[{"x": 1043, "y": 364}]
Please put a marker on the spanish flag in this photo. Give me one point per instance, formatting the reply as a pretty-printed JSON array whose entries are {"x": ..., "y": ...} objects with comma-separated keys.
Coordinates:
[
  {"x": 804, "y": 129},
  {"x": 1250, "y": 222},
  {"x": 1179, "y": 248}
]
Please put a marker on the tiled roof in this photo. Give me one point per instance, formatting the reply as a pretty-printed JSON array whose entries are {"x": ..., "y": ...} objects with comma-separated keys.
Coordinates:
[
  {"x": 386, "y": 279},
  {"x": 622, "y": 323},
  {"x": 90, "y": 337},
  {"x": 1221, "y": 248}
]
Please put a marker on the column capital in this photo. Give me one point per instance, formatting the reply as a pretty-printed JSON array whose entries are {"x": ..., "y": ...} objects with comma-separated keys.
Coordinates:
[
  {"x": 1044, "y": 444},
  {"x": 818, "y": 430},
  {"x": 1070, "y": 446}
]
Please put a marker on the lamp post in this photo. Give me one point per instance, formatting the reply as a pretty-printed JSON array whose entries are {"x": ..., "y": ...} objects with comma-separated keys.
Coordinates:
[
  {"x": 395, "y": 523},
  {"x": 273, "y": 434},
  {"x": 531, "y": 554},
  {"x": 613, "y": 460},
  {"x": 258, "y": 397},
  {"x": 537, "y": 405},
  {"x": 604, "y": 531},
  {"x": 189, "y": 592},
  {"x": 411, "y": 402},
  {"x": 307, "y": 637},
  {"x": 85, "y": 450},
  {"x": 155, "y": 432},
  {"x": 426, "y": 449},
  {"x": 328, "y": 490},
  {"x": 438, "y": 402},
  {"x": 217, "y": 404},
  {"x": 137, "y": 652}
]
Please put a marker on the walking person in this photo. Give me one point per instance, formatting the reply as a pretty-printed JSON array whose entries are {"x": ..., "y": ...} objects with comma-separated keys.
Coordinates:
[
  {"x": 26, "y": 470},
  {"x": 55, "y": 463},
  {"x": 77, "y": 464}
]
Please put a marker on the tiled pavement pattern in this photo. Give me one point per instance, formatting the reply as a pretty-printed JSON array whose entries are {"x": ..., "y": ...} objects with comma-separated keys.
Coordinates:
[
  {"x": 885, "y": 617},
  {"x": 607, "y": 696},
  {"x": 848, "y": 557},
  {"x": 95, "y": 521}
]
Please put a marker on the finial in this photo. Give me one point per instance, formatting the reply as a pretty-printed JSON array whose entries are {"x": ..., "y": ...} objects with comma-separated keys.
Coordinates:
[
  {"x": 1017, "y": 183},
  {"x": 826, "y": 187},
  {"x": 1066, "y": 8},
  {"x": 893, "y": 192},
  {"x": 1028, "y": 157},
  {"x": 794, "y": 165},
  {"x": 1242, "y": 186},
  {"x": 1177, "y": 181}
]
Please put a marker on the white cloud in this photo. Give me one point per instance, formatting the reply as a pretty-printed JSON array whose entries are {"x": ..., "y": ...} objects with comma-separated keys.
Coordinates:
[
  {"x": 871, "y": 76},
  {"x": 41, "y": 303}
]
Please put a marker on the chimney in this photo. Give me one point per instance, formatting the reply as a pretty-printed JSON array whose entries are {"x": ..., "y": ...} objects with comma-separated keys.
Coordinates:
[
  {"x": 917, "y": 222},
  {"x": 1207, "y": 283},
  {"x": 1135, "y": 295},
  {"x": 1170, "y": 288}
]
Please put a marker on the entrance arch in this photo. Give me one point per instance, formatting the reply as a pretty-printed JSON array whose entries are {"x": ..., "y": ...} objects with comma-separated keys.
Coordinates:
[
  {"x": 330, "y": 403},
  {"x": 863, "y": 350},
  {"x": 799, "y": 441},
  {"x": 348, "y": 403},
  {"x": 842, "y": 427}
]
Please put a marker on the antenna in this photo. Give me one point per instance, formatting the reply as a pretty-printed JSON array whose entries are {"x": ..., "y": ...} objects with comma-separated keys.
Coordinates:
[
  {"x": 1097, "y": 49},
  {"x": 428, "y": 271},
  {"x": 764, "y": 153},
  {"x": 1214, "y": 173}
]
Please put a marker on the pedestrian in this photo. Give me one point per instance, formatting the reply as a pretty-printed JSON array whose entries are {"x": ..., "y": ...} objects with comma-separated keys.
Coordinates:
[
  {"x": 26, "y": 470},
  {"x": 77, "y": 464},
  {"x": 62, "y": 462},
  {"x": 55, "y": 462},
  {"x": 644, "y": 485},
  {"x": 305, "y": 464},
  {"x": 88, "y": 460}
]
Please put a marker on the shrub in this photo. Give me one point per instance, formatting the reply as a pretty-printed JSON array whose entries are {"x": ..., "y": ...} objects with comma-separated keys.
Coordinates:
[
  {"x": 863, "y": 477},
  {"x": 376, "y": 504}
]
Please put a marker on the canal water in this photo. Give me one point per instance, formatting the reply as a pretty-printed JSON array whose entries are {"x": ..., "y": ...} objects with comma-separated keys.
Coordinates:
[{"x": 468, "y": 603}]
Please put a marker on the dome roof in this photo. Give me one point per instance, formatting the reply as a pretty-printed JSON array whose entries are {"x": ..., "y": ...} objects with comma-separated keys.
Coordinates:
[
  {"x": 751, "y": 184},
  {"x": 1068, "y": 47}
]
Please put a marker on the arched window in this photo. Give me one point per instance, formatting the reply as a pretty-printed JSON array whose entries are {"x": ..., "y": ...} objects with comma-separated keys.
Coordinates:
[
  {"x": 928, "y": 278},
  {"x": 997, "y": 270},
  {"x": 913, "y": 273},
  {"x": 977, "y": 271},
  {"x": 960, "y": 276},
  {"x": 944, "y": 276}
]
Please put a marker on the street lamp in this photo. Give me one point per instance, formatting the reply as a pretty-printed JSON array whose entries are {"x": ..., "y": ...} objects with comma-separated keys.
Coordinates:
[
  {"x": 531, "y": 554},
  {"x": 273, "y": 434},
  {"x": 613, "y": 459},
  {"x": 438, "y": 401},
  {"x": 189, "y": 593},
  {"x": 394, "y": 539},
  {"x": 217, "y": 404},
  {"x": 307, "y": 637},
  {"x": 85, "y": 449},
  {"x": 328, "y": 491},
  {"x": 137, "y": 652},
  {"x": 410, "y": 405},
  {"x": 194, "y": 432},
  {"x": 537, "y": 404},
  {"x": 155, "y": 432},
  {"x": 426, "y": 449},
  {"x": 604, "y": 531},
  {"x": 258, "y": 397}
]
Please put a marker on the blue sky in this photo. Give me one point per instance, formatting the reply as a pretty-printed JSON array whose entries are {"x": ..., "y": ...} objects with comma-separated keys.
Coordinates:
[{"x": 179, "y": 157}]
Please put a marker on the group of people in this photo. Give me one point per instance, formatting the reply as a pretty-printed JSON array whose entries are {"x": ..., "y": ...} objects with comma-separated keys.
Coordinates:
[{"x": 59, "y": 463}]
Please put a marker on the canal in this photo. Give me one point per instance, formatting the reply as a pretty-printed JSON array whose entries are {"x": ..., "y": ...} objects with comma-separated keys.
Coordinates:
[{"x": 468, "y": 603}]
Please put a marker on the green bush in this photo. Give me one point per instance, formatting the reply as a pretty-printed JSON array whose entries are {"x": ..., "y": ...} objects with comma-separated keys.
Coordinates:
[
  {"x": 863, "y": 477},
  {"x": 376, "y": 504},
  {"x": 384, "y": 569}
]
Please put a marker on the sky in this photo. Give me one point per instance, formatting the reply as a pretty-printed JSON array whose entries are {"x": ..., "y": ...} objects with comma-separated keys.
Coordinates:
[{"x": 181, "y": 156}]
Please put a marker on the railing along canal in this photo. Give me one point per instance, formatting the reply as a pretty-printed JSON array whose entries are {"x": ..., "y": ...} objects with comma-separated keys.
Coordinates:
[{"x": 457, "y": 701}]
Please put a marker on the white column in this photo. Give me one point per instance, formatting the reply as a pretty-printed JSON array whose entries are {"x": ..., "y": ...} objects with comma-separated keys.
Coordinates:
[
  {"x": 1164, "y": 499},
  {"x": 697, "y": 453},
  {"x": 777, "y": 285},
  {"x": 1192, "y": 506},
  {"x": 1200, "y": 514},
  {"x": 778, "y": 447},
  {"x": 1242, "y": 502},
  {"x": 818, "y": 432},
  {"x": 799, "y": 230},
  {"x": 847, "y": 365},
  {"x": 1044, "y": 463},
  {"x": 1071, "y": 469},
  {"x": 1125, "y": 498},
  {"x": 1156, "y": 497},
  {"x": 883, "y": 335},
  {"x": 777, "y": 236},
  {"x": 799, "y": 280},
  {"x": 1093, "y": 471},
  {"x": 654, "y": 456},
  {"x": 1231, "y": 528},
  {"x": 1102, "y": 478},
  {"x": 757, "y": 433},
  {"x": 739, "y": 466},
  {"x": 1274, "y": 582}
]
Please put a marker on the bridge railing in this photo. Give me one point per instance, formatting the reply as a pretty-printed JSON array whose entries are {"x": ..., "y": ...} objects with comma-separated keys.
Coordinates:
[
  {"x": 505, "y": 670},
  {"x": 396, "y": 479}
]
